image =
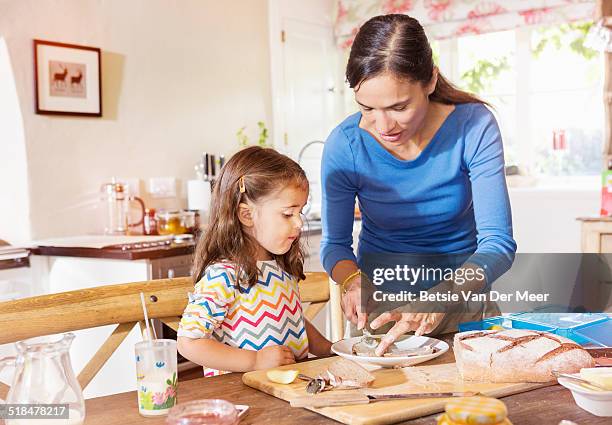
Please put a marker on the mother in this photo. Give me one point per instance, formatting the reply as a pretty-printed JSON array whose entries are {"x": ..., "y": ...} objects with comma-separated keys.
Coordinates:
[{"x": 425, "y": 161}]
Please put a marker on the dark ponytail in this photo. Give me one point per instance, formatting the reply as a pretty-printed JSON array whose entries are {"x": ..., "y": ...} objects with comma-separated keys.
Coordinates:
[{"x": 398, "y": 44}]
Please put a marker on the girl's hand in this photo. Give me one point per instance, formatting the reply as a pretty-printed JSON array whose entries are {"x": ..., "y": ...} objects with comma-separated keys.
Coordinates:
[
  {"x": 273, "y": 356},
  {"x": 351, "y": 303},
  {"x": 420, "y": 323}
]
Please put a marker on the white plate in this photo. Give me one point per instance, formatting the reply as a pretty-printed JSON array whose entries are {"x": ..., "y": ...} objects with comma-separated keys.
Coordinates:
[
  {"x": 344, "y": 348},
  {"x": 598, "y": 403}
]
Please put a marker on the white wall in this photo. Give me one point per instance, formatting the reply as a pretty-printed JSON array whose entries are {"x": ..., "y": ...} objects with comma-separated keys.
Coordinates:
[
  {"x": 178, "y": 78},
  {"x": 544, "y": 218},
  {"x": 14, "y": 205}
]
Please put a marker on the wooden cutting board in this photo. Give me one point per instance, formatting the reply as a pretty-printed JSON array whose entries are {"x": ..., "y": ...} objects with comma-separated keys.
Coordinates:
[{"x": 439, "y": 375}]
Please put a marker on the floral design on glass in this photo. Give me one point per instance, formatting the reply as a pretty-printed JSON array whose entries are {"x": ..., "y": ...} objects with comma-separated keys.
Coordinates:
[{"x": 150, "y": 400}]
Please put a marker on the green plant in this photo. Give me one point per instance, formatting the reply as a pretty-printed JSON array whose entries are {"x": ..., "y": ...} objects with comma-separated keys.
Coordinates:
[
  {"x": 262, "y": 139},
  {"x": 572, "y": 35},
  {"x": 479, "y": 78},
  {"x": 263, "y": 134},
  {"x": 243, "y": 139}
]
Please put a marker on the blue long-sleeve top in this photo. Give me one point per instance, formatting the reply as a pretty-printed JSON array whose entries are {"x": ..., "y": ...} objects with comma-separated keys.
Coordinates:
[{"x": 451, "y": 199}]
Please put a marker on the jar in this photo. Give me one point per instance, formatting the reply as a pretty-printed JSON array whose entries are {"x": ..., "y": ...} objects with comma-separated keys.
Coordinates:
[
  {"x": 475, "y": 411},
  {"x": 188, "y": 219},
  {"x": 174, "y": 222},
  {"x": 203, "y": 412}
]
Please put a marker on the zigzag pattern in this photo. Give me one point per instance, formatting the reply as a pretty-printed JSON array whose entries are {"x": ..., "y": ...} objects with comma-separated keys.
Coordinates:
[
  {"x": 263, "y": 303},
  {"x": 268, "y": 313},
  {"x": 269, "y": 328},
  {"x": 256, "y": 319},
  {"x": 271, "y": 338}
]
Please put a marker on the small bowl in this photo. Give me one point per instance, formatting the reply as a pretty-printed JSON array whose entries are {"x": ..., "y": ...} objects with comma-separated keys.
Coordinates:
[{"x": 598, "y": 403}]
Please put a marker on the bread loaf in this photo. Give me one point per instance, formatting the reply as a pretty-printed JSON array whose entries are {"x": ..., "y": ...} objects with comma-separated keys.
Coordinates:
[
  {"x": 344, "y": 373},
  {"x": 516, "y": 355}
]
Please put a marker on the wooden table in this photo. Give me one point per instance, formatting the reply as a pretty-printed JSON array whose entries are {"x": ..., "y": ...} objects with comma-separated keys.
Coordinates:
[{"x": 539, "y": 407}]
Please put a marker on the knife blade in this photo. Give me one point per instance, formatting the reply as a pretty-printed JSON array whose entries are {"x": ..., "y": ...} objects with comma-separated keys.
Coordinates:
[
  {"x": 381, "y": 397},
  {"x": 328, "y": 399}
]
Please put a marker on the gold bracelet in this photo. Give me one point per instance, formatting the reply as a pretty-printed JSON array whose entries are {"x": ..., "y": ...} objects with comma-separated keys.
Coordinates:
[{"x": 352, "y": 275}]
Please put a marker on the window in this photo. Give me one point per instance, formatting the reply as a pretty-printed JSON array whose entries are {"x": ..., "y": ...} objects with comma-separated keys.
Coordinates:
[{"x": 546, "y": 90}]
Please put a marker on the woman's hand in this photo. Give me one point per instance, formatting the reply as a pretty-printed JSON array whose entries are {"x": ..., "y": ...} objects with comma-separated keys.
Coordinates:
[
  {"x": 351, "y": 303},
  {"x": 420, "y": 323},
  {"x": 273, "y": 356}
]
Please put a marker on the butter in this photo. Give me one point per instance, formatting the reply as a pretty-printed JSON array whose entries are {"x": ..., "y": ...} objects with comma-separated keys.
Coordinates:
[{"x": 601, "y": 376}]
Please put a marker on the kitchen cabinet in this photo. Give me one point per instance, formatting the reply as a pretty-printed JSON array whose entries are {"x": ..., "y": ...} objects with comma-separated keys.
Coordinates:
[
  {"x": 15, "y": 276},
  {"x": 15, "y": 282},
  {"x": 597, "y": 238},
  {"x": 596, "y": 234}
]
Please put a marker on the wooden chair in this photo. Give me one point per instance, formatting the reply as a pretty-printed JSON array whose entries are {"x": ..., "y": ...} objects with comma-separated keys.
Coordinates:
[{"x": 121, "y": 305}]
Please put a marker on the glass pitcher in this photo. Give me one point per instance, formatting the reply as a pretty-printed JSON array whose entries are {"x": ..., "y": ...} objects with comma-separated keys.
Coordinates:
[
  {"x": 44, "y": 375},
  {"x": 117, "y": 207}
]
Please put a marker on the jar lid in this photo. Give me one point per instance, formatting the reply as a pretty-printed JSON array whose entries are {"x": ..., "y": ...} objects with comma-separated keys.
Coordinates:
[
  {"x": 476, "y": 411},
  {"x": 168, "y": 213}
]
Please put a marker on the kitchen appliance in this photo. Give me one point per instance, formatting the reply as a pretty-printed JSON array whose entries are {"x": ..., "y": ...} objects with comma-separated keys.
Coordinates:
[{"x": 116, "y": 201}]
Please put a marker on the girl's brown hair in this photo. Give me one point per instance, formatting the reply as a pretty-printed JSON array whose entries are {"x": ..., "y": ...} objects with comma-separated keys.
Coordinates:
[
  {"x": 263, "y": 172},
  {"x": 398, "y": 44}
]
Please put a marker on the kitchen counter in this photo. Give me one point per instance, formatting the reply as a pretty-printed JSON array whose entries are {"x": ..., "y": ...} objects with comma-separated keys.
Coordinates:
[
  {"x": 14, "y": 263},
  {"x": 117, "y": 253},
  {"x": 312, "y": 228},
  {"x": 140, "y": 251}
]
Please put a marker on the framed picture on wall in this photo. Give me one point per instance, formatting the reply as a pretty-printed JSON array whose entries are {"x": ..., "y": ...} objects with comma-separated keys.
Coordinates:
[{"x": 68, "y": 79}]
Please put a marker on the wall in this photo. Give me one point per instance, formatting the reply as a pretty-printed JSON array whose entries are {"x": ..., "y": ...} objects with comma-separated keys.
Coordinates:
[
  {"x": 179, "y": 78},
  {"x": 544, "y": 218},
  {"x": 15, "y": 206}
]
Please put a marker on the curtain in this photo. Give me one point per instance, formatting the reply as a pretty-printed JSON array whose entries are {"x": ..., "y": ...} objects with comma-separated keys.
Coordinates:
[{"x": 450, "y": 18}]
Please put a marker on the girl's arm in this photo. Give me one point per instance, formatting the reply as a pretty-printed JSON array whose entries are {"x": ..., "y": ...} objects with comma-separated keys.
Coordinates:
[
  {"x": 216, "y": 355},
  {"x": 318, "y": 345}
]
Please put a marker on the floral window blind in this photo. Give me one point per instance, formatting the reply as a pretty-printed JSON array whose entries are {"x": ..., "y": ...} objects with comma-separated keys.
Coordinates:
[{"x": 450, "y": 18}]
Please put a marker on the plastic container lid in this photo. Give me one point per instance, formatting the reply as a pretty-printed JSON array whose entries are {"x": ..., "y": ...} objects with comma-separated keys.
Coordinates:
[
  {"x": 599, "y": 333},
  {"x": 476, "y": 410},
  {"x": 560, "y": 320}
]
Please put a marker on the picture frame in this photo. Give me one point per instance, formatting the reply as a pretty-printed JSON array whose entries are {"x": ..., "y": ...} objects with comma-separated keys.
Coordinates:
[{"x": 68, "y": 79}]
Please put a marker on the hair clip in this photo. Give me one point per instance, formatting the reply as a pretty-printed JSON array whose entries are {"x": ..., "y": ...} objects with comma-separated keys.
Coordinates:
[{"x": 241, "y": 184}]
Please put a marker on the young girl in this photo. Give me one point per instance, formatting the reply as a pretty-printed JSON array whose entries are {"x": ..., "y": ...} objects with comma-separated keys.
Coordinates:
[{"x": 245, "y": 312}]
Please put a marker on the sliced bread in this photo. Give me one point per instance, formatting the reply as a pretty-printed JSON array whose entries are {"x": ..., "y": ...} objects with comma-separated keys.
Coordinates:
[{"x": 344, "y": 373}]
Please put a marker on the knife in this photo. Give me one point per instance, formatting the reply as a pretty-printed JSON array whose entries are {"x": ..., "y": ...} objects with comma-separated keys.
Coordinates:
[
  {"x": 348, "y": 398},
  {"x": 206, "y": 169}
]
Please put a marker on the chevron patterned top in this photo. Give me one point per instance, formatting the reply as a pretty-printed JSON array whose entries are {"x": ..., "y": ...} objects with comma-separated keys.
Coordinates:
[{"x": 268, "y": 313}]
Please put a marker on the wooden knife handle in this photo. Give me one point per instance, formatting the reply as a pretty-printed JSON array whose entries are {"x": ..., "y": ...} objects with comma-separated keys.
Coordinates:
[{"x": 330, "y": 399}]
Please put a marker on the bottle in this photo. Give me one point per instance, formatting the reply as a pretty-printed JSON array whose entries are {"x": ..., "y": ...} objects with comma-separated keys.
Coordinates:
[{"x": 150, "y": 222}]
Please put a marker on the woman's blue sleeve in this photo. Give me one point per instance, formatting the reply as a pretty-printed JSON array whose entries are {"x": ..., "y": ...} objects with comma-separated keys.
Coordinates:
[
  {"x": 339, "y": 189},
  {"x": 484, "y": 158}
]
